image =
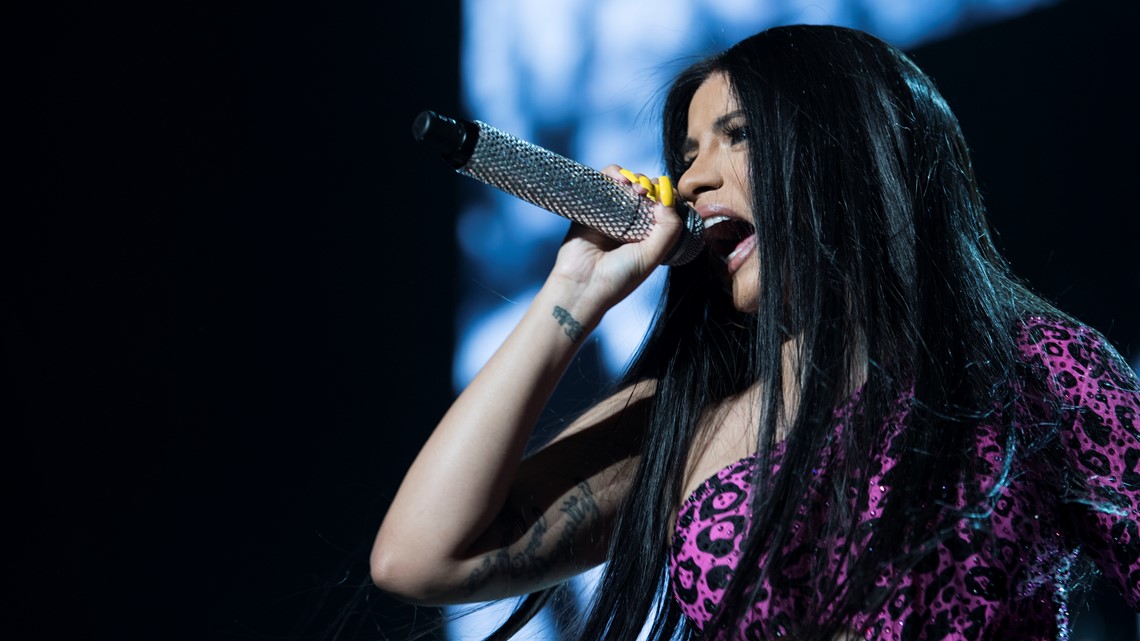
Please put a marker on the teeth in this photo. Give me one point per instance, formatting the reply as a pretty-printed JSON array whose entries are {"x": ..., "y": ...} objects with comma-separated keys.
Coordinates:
[{"x": 709, "y": 222}]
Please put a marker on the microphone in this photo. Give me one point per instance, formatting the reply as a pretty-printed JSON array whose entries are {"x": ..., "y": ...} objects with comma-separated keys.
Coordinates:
[{"x": 551, "y": 181}]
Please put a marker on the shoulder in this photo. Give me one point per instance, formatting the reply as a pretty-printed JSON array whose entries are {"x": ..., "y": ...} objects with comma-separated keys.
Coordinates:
[
  {"x": 621, "y": 414},
  {"x": 1073, "y": 359},
  {"x": 1078, "y": 372},
  {"x": 626, "y": 398},
  {"x": 1099, "y": 434}
]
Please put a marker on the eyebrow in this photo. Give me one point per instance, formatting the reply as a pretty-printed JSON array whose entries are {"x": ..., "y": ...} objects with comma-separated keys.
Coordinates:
[{"x": 690, "y": 145}]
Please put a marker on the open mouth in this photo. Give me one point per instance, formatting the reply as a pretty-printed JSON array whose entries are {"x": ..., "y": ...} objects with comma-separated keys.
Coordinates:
[{"x": 724, "y": 236}]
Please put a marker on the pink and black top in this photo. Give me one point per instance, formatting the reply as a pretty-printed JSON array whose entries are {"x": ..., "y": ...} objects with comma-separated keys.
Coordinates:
[{"x": 1014, "y": 586}]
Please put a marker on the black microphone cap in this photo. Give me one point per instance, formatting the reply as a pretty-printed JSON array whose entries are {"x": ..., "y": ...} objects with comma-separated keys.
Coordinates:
[{"x": 446, "y": 135}]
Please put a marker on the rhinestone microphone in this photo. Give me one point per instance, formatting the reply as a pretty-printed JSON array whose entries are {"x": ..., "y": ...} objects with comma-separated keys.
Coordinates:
[{"x": 552, "y": 182}]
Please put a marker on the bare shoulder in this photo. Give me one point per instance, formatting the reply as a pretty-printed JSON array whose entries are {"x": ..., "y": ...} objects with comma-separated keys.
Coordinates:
[
  {"x": 599, "y": 444},
  {"x": 625, "y": 410}
]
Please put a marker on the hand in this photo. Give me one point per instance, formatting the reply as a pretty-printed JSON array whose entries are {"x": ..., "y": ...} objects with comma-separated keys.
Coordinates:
[{"x": 601, "y": 271}]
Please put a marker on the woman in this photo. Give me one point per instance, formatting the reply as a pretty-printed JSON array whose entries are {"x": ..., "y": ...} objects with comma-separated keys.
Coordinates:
[{"x": 848, "y": 419}]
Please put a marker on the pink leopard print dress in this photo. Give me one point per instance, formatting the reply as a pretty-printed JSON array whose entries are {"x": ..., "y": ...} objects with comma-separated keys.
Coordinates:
[{"x": 1003, "y": 574}]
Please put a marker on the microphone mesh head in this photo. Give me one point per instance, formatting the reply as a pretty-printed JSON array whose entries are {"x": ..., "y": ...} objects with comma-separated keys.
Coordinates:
[{"x": 571, "y": 190}]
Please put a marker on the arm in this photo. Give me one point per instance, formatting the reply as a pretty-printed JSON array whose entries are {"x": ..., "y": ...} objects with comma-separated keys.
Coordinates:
[
  {"x": 1101, "y": 441},
  {"x": 472, "y": 520}
]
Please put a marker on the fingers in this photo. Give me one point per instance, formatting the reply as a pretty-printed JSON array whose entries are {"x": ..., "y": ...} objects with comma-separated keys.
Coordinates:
[
  {"x": 667, "y": 224},
  {"x": 658, "y": 190}
]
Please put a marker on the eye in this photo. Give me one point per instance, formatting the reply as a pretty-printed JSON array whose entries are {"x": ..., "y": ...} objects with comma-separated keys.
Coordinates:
[{"x": 737, "y": 134}]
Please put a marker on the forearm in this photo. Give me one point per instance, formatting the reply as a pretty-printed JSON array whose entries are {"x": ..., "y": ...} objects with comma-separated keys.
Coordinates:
[{"x": 459, "y": 482}]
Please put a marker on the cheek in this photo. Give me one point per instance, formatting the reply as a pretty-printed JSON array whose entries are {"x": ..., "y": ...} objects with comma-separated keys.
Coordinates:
[{"x": 742, "y": 176}]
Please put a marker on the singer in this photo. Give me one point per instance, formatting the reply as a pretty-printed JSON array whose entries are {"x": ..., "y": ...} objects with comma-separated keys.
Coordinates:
[{"x": 849, "y": 419}]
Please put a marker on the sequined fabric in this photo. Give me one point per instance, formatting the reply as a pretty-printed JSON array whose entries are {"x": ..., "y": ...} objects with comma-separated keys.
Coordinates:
[{"x": 1005, "y": 572}]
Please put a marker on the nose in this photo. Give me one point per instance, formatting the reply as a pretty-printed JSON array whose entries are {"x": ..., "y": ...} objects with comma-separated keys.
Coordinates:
[{"x": 701, "y": 176}]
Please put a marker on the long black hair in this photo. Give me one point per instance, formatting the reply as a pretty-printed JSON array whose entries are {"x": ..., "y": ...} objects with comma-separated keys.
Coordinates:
[{"x": 875, "y": 253}]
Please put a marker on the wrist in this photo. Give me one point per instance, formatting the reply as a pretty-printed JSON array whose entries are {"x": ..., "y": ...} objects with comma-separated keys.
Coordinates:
[{"x": 569, "y": 308}]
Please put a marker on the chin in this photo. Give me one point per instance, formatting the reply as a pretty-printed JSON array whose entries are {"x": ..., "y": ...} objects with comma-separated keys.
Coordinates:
[
  {"x": 746, "y": 289},
  {"x": 747, "y": 301},
  {"x": 747, "y": 305}
]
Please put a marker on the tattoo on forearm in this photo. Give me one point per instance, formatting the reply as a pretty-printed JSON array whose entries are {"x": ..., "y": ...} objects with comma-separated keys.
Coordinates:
[
  {"x": 579, "y": 510},
  {"x": 531, "y": 561},
  {"x": 572, "y": 327}
]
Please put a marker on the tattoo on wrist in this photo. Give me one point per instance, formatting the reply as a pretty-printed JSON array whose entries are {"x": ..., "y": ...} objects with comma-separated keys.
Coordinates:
[{"x": 572, "y": 327}]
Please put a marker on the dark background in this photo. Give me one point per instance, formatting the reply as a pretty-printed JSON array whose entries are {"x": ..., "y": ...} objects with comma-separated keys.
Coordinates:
[{"x": 231, "y": 320}]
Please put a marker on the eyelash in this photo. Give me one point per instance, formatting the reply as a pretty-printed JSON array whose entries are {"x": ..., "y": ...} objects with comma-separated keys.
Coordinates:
[{"x": 736, "y": 135}]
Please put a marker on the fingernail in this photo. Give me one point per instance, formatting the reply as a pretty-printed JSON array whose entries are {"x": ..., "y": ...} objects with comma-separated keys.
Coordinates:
[
  {"x": 665, "y": 188},
  {"x": 648, "y": 184},
  {"x": 628, "y": 174}
]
